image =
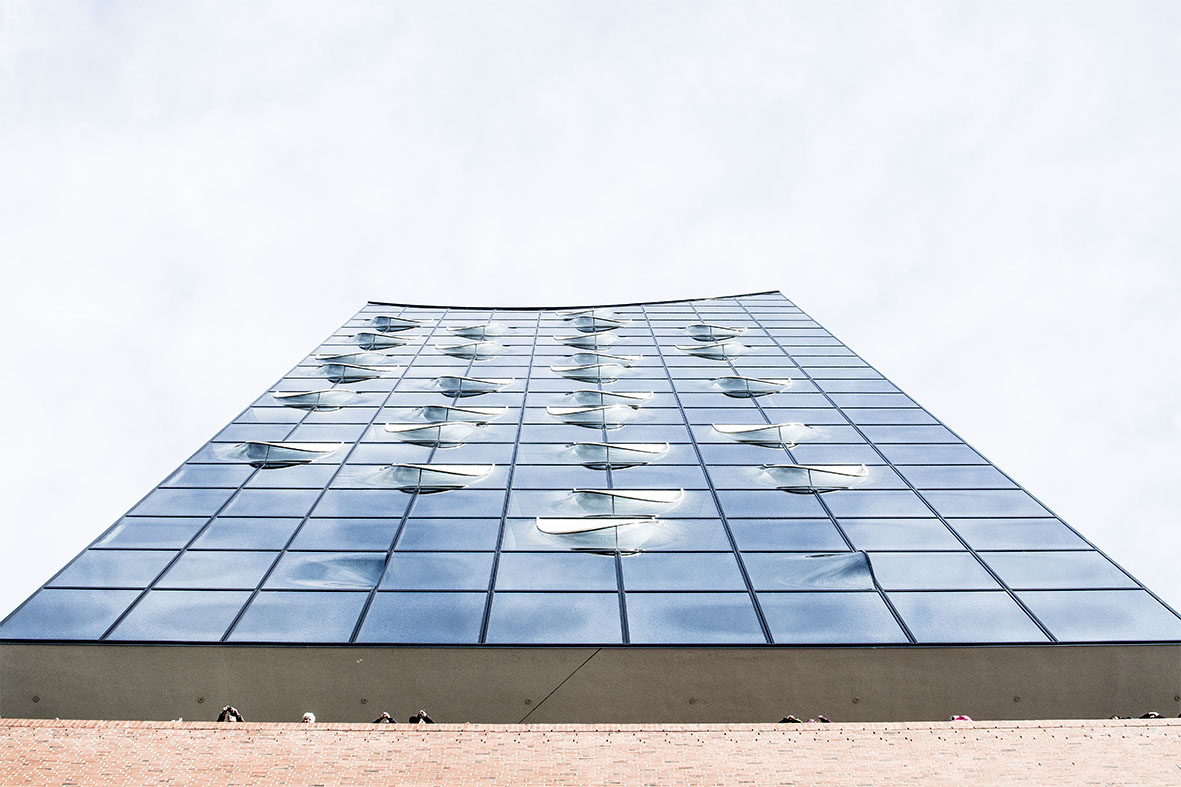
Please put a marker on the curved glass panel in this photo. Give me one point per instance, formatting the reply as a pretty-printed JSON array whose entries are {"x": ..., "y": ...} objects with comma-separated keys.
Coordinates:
[
  {"x": 566, "y": 527},
  {"x": 479, "y": 351},
  {"x": 841, "y": 571},
  {"x": 365, "y": 358},
  {"x": 484, "y": 330},
  {"x": 435, "y": 477},
  {"x": 592, "y": 340},
  {"x": 707, "y": 332},
  {"x": 271, "y": 455},
  {"x": 618, "y": 455},
  {"x": 389, "y": 324},
  {"x": 592, "y": 356},
  {"x": 589, "y": 323},
  {"x": 628, "y": 502},
  {"x": 369, "y": 340},
  {"x": 444, "y": 434},
  {"x": 458, "y": 385},
  {"x": 475, "y": 415},
  {"x": 717, "y": 351},
  {"x": 776, "y": 435},
  {"x": 353, "y": 373},
  {"x": 596, "y": 397},
  {"x": 591, "y": 373},
  {"x": 325, "y": 400},
  {"x": 746, "y": 387},
  {"x": 806, "y": 479},
  {"x": 611, "y": 416}
]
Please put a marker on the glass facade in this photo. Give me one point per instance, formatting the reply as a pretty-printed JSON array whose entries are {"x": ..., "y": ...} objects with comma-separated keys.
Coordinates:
[{"x": 719, "y": 471}]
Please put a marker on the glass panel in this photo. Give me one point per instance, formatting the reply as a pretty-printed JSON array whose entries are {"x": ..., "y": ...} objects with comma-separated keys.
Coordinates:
[
  {"x": 152, "y": 533},
  {"x": 182, "y": 502},
  {"x": 541, "y": 571},
  {"x": 692, "y": 619},
  {"x": 965, "y": 617},
  {"x": 977, "y": 504},
  {"x": 816, "y": 618},
  {"x": 327, "y": 570},
  {"x": 130, "y": 568},
  {"x": 930, "y": 571},
  {"x": 790, "y": 535},
  {"x": 553, "y": 618},
  {"x": 682, "y": 571},
  {"x": 956, "y": 477},
  {"x": 362, "y": 502},
  {"x": 899, "y": 534},
  {"x": 875, "y": 504},
  {"x": 1103, "y": 615},
  {"x": 230, "y": 533},
  {"x": 68, "y": 614},
  {"x": 931, "y": 455},
  {"x": 438, "y": 571},
  {"x": 299, "y": 617},
  {"x": 218, "y": 570},
  {"x": 770, "y": 504},
  {"x": 230, "y": 476},
  {"x": 1017, "y": 534},
  {"x": 263, "y": 502},
  {"x": 424, "y": 618},
  {"x": 449, "y": 534},
  {"x": 181, "y": 616},
  {"x": 358, "y": 534},
  {"x": 1057, "y": 570},
  {"x": 841, "y": 571}
]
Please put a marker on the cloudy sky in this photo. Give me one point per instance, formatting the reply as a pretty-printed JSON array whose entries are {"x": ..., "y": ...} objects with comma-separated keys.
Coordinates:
[{"x": 982, "y": 199}]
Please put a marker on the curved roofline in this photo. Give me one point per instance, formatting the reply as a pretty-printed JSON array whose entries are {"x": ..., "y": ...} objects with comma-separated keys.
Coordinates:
[{"x": 575, "y": 306}]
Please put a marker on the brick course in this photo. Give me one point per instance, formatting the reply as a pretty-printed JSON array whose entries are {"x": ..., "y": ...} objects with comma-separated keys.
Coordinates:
[{"x": 50, "y": 752}]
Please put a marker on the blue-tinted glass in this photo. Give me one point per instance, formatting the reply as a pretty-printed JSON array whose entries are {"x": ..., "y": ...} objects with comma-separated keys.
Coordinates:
[
  {"x": 235, "y": 533},
  {"x": 265, "y": 502},
  {"x": 218, "y": 570},
  {"x": 472, "y": 502},
  {"x": 839, "y": 571},
  {"x": 424, "y": 618},
  {"x": 769, "y": 504},
  {"x": 362, "y": 502},
  {"x": 787, "y": 535},
  {"x": 327, "y": 570},
  {"x": 182, "y": 502},
  {"x": 1103, "y": 615},
  {"x": 682, "y": 571},
  {"x": 449, "y": 534},
  {"x": 985, "y": 503},
  {"x": 930, "y": 571},
  {"x": 438, "y": 571},
  {"x": 298, "y": 477},
  {"x": 956, "y": 477},
  {"x": 875, "y": 504},
  {"x": 347, "y": 534},
  {"x": 692, "y": 619},
  {"x": 68, "y": 614},
  {"x": 965, "y": 617},
  {"x": 899, "y": 534},
  {"x": 230, "y": 476},
  {"x": 299, "y": 617},
  {"x": 123, "y": 568},
  {"x": 555, "y": 618},
  {"x": 817, "y": 618},
  {"x": 1057, "y": 570},
  {"x": 947, "y": 454},
  {"x": 181, "y": 616},
  {"x": 547, "y": 571},
  {"x": 1017, "y": 534},
  {"x": 152, "y": 532}
]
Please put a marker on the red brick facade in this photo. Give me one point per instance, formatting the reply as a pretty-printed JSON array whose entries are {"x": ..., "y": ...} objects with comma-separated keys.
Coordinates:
[{"x": 41, "y": 752}]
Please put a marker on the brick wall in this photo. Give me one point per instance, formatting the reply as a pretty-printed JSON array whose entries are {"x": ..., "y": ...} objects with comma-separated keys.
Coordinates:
[{"x": 48, "y": 752}]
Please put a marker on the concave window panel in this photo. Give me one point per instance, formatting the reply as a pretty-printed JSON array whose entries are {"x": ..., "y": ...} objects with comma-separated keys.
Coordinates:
[
  {"x": 595, "y": 356},
  {"x": 1015, "y": 503},
  {"x": 775, "y": 435},
  {"x": 438, "y": 571},
  {"x": 327, "y": 570},
  {"x": 594, "y": 534},
  {"x": 272, "y": 454},
  {"x": 428, "y": 478},
  {"x": 362, "y": 358},
  {"x": 838, "y": 571},
  {"x": 715, "y": 351},
  {"x": 749, "y": 387},
  {"x": 555, "y": 619},
  {"x": 67, "y": 614},
  {"x": 612, "y": 416},
  {"x": 787, "y": 535},
  {"x": 372, "y": 340},
  {"x": 1018, "y": 534},
  {"x": 899, "y": 534},
  {"x": 353, "y": 373},
  {"x": 476, "y": 415},
  {"x": 594, "y": 323},
  {"x": 931, "y": 571},
  {"x": 590, "y": 372},
  {"x": 1103, "y": 615},
  {"x": 459, "y": 385},
  {"x": 481, "y": 330},
  {"x": 816, "y": 478},
  {"x": 443, "y": 434},
  {"x": 392, "y": 323},
  {"x": 368, "y": 535},
  {"x": 968, "y": 617},
  {"x": 479, "y": 351},
  {"x": 152, "y": 532},
  {"x": 829, "y": 618},
  {"x": 692, "y": 619},
  {"x": 710, "y": 332},
  {"x": 424, "y": 618},
  {"x": 111, "y": 568},
  {"x": 547, "y": 571},
  {"x": 247, "y": 533},
  {"x": 599, "y": 455},
  {"x": 628, "y": 502},
  {"x": 181, "y": 616},
  {"x": 449, "y": 534},
  {"x": 294, "y": 616},
  {"x": 218, "y": 570},
  {"x": 682, "y": 571},
  {"x": 599, "y": 397},
  {"x": 592, "y": 340},
  {"x": 1045, "y": 570}
]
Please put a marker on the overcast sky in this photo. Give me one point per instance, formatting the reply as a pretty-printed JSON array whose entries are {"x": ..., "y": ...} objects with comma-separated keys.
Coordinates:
[{"x": 981, "y": 199}]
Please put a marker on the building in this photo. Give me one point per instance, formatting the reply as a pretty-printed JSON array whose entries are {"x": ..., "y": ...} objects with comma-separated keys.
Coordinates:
[{"x": 705, "y": 510}]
